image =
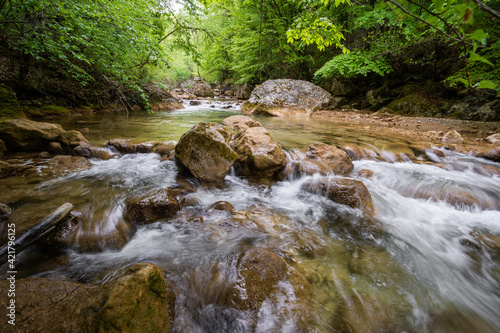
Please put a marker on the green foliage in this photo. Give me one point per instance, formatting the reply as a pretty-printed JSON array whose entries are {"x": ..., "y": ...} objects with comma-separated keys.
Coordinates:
[{"x": 353, "y": 64}]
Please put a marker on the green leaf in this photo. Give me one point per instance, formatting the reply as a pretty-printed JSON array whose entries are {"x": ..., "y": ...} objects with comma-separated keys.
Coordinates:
[
  {"x": 477, "y": 57},
  {"x": 486, "y": 84}
]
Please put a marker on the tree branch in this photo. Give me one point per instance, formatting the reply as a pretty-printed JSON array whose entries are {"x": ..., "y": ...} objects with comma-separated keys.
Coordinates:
[
  {"x": 487, "y": 9},
  {"x": 424, "y": 21}
]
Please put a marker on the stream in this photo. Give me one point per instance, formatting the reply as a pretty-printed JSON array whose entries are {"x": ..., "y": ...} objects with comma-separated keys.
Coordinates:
[{"x": 426, "y": 262}]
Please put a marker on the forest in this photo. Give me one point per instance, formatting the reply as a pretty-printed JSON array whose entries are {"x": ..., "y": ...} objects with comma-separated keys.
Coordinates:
[
  {"x": 98, "y": 52},
  {"x": 250, "y": 166}
]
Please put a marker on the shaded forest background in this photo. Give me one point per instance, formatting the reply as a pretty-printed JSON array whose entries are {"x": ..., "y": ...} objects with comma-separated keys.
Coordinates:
[{"x": 95, "y": 53}]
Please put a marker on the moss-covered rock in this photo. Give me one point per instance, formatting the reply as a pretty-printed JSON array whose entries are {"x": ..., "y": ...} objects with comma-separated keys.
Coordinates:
[
  {"x": 204, "y": 151},
  {"x": 9, "y": 106},
  {"x": 488, "y": 112},
  {"x": 414, "y": 105},
  {"x": 138, "y": 301}
]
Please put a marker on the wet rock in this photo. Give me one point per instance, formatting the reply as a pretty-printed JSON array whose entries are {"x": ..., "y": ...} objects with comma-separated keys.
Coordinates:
[
  {"x": 44, "y": 154},
  {"x": 56, "y": 148},
  {"x": 165, "y": 149},
  {"x": 138, "y": 301},
  {"x": 365, "y": 173},
  {"x": 261, "y": 270},
  {"x": 492, "y": 155},
  {"x": 344, "y": 191},
  {"x": 3, "y": 148},
  {"x": 205, "y": 152},
  {"x": 488, "y": 112},
  {"x": 73, "y": 139},
  {"x": 92, "y": 152},
  {"x": 29, "y": 135},
  {"x": 259, "y": 155},
  {"x": 152, "y": 207},
  {"x": 288, "y": 93},
  {"x": 223, "y": 206},
  {"x": 201, "y": 88},
  {"x": 124, "y": 146},
  {"x": 452, "y": 137},
  {"x": 11, "y": 169},
  {"x": 63, "y": 163},
  {"x": 228, "y": 92},
  {"x": 494, "y": 139},
  {"x": 241, "y": 122},
  {"x": 414, "y": 105},
  {"x": 336, "y": 159},
  {"x": 64, "y": 235},
  {"x": 194, "y": 102}
]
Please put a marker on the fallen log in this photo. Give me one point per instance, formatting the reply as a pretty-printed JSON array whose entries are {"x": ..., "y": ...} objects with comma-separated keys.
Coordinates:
[{"x": 41, "y": 229}]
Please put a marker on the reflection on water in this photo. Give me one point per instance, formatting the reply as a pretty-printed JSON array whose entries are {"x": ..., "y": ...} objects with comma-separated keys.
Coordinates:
[{"x": 428, "y": 262}]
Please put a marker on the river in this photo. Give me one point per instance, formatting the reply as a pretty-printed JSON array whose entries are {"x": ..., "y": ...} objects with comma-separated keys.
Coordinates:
[{"x": 426, "y": 262}]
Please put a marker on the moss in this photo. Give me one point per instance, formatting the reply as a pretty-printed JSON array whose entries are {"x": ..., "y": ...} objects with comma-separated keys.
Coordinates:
[
  {"x": 55, "y": 110},
  {"x": 9, "y": 106},
  {"x": 414, "y": 105}
]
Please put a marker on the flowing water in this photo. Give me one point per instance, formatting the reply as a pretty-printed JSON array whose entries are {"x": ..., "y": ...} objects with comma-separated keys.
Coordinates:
[{"x": 429, "y": 260}]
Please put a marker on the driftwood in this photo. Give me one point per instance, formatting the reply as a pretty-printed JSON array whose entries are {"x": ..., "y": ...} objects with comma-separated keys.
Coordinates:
[{"x": 41, "y": 229}]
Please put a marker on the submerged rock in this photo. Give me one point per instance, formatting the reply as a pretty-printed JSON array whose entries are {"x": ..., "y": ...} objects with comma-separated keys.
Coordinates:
[
  {"x": 13, "y": 169},
  {"x": 241, "y": 122},
  {"x": 261, "y": 270},
  {"x": 137, "y": 301},
  {"x": 336, "y": 159},
  {"x": 204, "y": 151},
  {"x": 259, "y": 155},
  {"x": 286, "y": 93},
  {"x": 63, "y": 163},
  {"x": 152, "y": 207},
  {"x": 222, "y": 206},
  {"x": 344, "y": 191}
]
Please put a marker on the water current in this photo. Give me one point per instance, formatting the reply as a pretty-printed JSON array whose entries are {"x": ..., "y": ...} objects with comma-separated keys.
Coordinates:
[{"x": 427, "y": 262}]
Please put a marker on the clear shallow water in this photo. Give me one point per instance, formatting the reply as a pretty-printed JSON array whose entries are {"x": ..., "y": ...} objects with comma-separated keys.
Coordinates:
[{"x": 424, "y": 261}]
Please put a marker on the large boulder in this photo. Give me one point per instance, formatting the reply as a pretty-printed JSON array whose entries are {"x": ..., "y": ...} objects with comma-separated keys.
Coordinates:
[
  {"x": 241, "y": 122},
  {"x": 259, "y": 155},
  {"x": 29, "y": 135},
  {"x": 152, "y": 207},
  {"x": 494, "y": 139},
  {"x": 204, "y": 150},
  {"x": 414, "y": 105},
  {"x": 335, "y": 159},
  {"x": 138, "y": 301},
  {"x": 344, "y": 191},
  {"x": 284, "y": 94},
  {"x": 201, "y": 88}
]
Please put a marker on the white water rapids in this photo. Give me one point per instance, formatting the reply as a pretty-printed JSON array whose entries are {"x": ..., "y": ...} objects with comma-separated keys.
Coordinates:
[{"x": 428, "y": 260}]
